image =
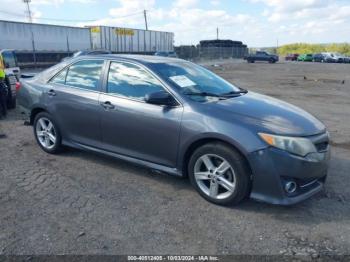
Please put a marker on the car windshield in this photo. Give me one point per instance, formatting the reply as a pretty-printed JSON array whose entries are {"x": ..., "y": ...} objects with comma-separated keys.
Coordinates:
[{"x": 192, "y": 79}]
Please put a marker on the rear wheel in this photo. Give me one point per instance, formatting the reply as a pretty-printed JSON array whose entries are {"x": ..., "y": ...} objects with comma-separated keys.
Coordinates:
[
  {"x": 47, "y": 133},
  {"x": 219, "y": 174}
]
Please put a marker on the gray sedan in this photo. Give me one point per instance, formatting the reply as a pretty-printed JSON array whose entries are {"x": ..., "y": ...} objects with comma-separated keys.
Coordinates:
[{"x": 177, "y": 117}]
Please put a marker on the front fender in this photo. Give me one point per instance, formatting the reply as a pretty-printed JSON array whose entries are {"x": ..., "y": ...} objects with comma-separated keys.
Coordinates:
[{"x": 241, "y": 137}]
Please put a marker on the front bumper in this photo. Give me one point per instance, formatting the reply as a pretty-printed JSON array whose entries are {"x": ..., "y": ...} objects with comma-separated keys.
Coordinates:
[{"x": 272, "y": 168}]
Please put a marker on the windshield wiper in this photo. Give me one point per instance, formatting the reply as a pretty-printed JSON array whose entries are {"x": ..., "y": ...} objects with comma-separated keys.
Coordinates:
[
  {"x": 234, "y": 93},
  {"x": 202, "y": 94}
]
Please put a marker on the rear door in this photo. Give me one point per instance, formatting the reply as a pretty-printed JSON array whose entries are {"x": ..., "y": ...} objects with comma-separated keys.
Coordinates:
[
  {"x": 73, "y": 99},
  {"x": 132, "y": 127}
]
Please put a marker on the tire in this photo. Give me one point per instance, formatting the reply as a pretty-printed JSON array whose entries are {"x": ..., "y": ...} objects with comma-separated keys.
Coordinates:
[
  {"x": 271, "y": 61},
  {"x": 210, "y": 184},
  {"x": 42, "y": 124}
]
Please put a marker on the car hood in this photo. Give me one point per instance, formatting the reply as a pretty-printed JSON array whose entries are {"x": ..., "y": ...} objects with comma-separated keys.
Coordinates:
[{"x": 271, "y": 115}]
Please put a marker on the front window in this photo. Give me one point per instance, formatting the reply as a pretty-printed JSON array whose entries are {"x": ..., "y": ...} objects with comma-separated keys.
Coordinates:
[
  {"x": 131, "y": 81},
  {"x": 190, "y": 79}
]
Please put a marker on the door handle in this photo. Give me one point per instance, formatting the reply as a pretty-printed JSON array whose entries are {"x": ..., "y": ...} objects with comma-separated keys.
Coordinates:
[
  {"x": 51, "y": 93},
  {"x": 107, "y": 105}
]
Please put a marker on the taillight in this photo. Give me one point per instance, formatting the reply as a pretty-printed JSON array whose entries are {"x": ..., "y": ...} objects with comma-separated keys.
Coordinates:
[{"x": 18, "y": 86}]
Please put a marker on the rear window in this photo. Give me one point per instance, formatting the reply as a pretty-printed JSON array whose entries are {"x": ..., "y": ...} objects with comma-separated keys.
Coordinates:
[
  {"x": 85, "y": 74},
  {"x": 48, "y": 73}
]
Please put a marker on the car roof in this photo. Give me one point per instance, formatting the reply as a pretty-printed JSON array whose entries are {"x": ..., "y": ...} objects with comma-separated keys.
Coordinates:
[{"x": 143, "y": 59}]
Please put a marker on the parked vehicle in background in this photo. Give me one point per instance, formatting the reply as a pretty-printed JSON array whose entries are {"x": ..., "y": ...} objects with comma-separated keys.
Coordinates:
[
  {"x": 88, "y": 52},
  {"x": 13, "y": 86},
  {"x": 178, "y": 117},
  {"x": 335, "y": 57},
  {"x": 339, "y": 57},
  {"x": 10, "y": 62},
  {"x": 347, "y": 59},
  {"x": 262, "y": 56},
  {"x": 291, "y": 57},
  {"x": 319, "y": 58},
  {"x": 305, "y": 57},
  {"x": 166, "y": 54},
  {"x": 12, "y": 76},
  {"x": 330, "y": 58}
]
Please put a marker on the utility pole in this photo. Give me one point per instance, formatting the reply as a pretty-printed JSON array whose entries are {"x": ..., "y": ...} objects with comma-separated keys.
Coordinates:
[
  {"x": 145, "y": 15},
  {"x": 31, "y": 29},
  {"x": 28, "y": 10},
  {"x": 217, "y": 33}
]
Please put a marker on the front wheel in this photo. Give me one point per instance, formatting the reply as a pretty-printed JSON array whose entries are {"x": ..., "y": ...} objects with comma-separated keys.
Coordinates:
[
  {"x": 219, "y": 174},
  {"x": 47, "y": 133}
]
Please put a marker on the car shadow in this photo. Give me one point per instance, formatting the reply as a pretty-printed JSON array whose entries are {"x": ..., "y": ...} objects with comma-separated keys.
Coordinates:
[
  {"x": 133, "y": 169},
  {"x": 325, "y": 206}
]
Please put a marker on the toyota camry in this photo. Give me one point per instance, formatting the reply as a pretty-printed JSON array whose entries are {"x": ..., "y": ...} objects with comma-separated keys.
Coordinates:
[{"x": 179, "y": 118}]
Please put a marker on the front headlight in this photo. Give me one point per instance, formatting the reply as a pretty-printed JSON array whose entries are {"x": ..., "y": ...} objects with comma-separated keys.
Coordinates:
[{"x": 295, "y": 145}]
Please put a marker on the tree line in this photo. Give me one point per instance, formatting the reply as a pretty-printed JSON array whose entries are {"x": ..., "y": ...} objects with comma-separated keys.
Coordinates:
[{"x": 304, "y": 48}]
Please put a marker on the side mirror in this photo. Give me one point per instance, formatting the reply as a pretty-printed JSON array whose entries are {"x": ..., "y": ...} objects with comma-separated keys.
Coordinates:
[
  {"x": 160, "y": 98},
  {"x": 7, "y": 65}
]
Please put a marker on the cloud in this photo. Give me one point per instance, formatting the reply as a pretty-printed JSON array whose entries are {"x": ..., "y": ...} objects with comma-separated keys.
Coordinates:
[
  {"x": 185, "y": 3},
  {"x": 215, "y": 2},
  {"x": 17, "y": 11},
  {"x": 292, "y": 6},
  {"x": 262, "y": 24},
  {"x": 283, "y": 10},
  {"x": 189, "y": 22}
]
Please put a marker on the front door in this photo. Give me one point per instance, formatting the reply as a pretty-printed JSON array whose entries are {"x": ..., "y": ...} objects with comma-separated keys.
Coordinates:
[{"x": 132, "y": 127}]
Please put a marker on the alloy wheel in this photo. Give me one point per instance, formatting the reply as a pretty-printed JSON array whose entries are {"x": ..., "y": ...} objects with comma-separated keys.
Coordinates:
[
  {"x": 215, "y": 176},
  {"x": 46, "y": 133}
]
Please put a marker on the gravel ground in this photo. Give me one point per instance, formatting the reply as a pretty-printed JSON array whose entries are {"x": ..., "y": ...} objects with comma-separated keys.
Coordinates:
[{"x": 83, "y": 203}]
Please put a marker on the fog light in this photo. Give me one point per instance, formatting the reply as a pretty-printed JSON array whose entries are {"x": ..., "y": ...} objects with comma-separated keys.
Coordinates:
[{"x": 290, "y": 187}]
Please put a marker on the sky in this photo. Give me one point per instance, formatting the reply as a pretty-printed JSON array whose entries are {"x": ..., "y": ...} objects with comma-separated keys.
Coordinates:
[{"x": 258, "y": 23}]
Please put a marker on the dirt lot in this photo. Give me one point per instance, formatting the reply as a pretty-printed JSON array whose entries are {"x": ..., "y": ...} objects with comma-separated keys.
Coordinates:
[{"x": 82, "y": 203}]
